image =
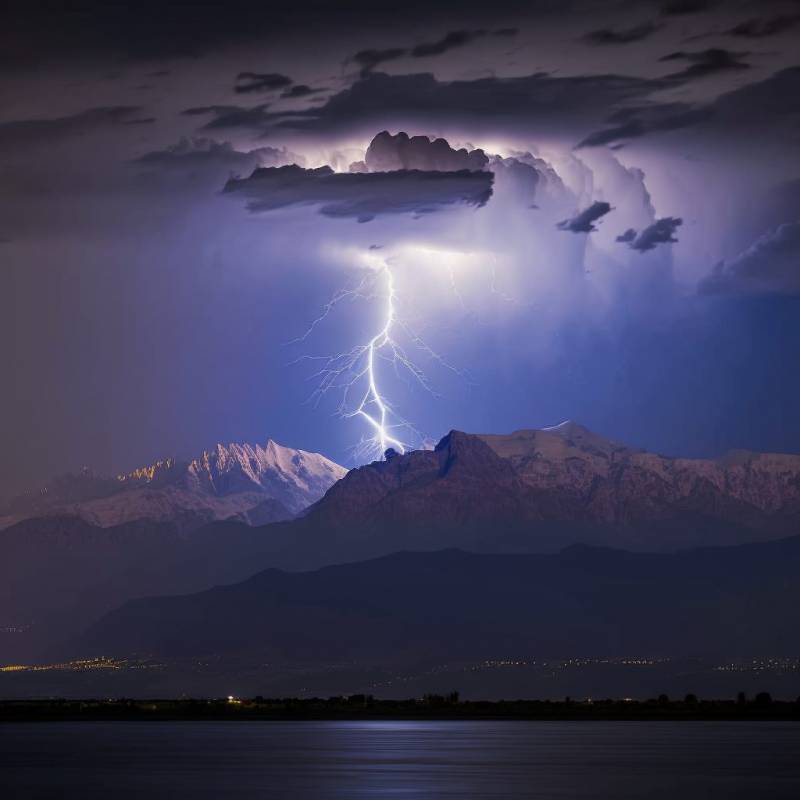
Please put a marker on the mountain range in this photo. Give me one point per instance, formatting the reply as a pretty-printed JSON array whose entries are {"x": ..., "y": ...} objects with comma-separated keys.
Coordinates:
[
  {"x": 565, "y": 473},
  {"x": 407, "y": 608},
  {"x": 253, "y": 484},
  {"x": 529, "y": 492}
]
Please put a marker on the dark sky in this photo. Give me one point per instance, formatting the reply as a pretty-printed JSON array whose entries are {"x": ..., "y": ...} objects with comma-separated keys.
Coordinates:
[{"x": 627, "y": 256}]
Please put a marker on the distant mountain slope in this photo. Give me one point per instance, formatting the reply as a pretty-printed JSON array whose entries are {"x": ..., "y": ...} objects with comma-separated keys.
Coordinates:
[
  {"x": 451, "y": 605},
  {"x": 537, "y": 481},
  {"x": 527, "y": 492},
  {"x": 250, "y": 483},
  {"x": 58, "y": 573}
]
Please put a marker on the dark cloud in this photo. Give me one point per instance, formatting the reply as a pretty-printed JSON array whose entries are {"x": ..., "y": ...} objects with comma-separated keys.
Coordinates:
[
  {"x": 583, "y": 221},
  {"x": 369, "y": 59},
  {"x": 705, "y": 62},
  {"x": 626, "y": 36},
  {"x": 539, "y": 103},
  {"x": 193, "y": 153},
  {"x": 33, "y": 132},
  {"x": 682, "y": 7},
  {"x": 300, "y": 90},
  {"x": 760, "y": 106},
  {"x": 661, "y": 231},
  {"x": 765, "y": 112},
  {"x": 520, "y": 176},
  {"x": 228, "y": 117},
  {"x": 261, "y": 82},
  {"x": 362, "y": 196},
  {"x": 760, "y": 28},
  {"x": 387, "y": 153},
  {"x": 771, "y": 265},
  {"x": 632, "y": 123},
  {"x": 449, "y": 41}
]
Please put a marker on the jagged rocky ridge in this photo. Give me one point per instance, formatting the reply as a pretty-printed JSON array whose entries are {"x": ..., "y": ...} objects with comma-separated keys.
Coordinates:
[
  {"x": 570, "y": 476},
  {"x": 254, "y": 484}
]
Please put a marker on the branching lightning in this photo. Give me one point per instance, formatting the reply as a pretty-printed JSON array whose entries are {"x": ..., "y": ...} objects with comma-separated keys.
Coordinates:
[{"x": 355, "y": 375}]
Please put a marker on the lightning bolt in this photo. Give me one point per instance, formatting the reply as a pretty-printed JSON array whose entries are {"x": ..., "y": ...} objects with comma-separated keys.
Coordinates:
[
  {"x": 355, "y": 375},
  {"x": 372, "y": 399}
]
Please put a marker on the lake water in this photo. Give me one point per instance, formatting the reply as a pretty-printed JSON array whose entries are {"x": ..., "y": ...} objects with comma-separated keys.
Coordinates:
[{"x": 298, "y": 760}]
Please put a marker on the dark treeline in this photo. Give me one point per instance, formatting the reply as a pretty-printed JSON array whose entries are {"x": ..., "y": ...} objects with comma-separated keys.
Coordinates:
[{"x": 361, "y": 706}]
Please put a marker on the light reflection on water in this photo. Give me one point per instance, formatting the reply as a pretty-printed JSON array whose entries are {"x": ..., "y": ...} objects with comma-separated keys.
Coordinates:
[{"x": 407, "y": 759}]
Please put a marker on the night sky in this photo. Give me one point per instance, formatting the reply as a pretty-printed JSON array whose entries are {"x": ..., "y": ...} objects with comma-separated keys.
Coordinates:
[{"x": 626, "y": 256}]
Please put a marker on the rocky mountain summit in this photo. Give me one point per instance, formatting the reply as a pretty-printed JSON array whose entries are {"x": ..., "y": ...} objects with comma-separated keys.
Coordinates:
[
  {"x": 565, "y": 474},
  {"x": 255, "y": 484}
]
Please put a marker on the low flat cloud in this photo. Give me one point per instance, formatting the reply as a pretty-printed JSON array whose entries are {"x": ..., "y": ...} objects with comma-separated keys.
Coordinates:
[
  {"x": 610, "y": 36},
  {"x": 705, "y": 62},
  {"x": 361, "y": 196},
  {"x": 300, "y": 90},
  {"x": 771, "y": 265},
  {"x": 371, "y": 58},
  {"x": 247, "y": 82},
  {"x": 449, "y": 41},
  {"x": 191, "y": 153},
  {"x": 583, "y": 221},
  {"x": 231, "y": 117},
  {"x": 32, "y": 132},
  {"x": 762, "y": 28},
  {"x": 677, "y": 8}
]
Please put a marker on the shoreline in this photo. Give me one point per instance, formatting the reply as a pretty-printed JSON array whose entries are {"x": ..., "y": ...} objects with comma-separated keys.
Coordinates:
[{"x": 359, "y": 708}]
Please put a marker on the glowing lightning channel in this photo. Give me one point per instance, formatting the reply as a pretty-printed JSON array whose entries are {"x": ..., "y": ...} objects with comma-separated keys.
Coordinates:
[
  {"x": 357, "y": 369},
  {"x": 354, "y": 373},
  {"x": 373, "y": 396}
]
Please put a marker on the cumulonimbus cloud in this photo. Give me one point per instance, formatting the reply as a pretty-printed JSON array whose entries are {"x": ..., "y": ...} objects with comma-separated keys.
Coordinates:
[
  {"x": 771, "y": 265},
  {"x": 401, "y": 151}
]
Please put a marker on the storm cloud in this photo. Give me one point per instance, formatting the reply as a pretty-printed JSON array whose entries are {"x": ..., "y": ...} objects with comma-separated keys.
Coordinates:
[
  {"x": 361, "y": 195},
  {"x": 447, "y": 42},
  {"x": 33, "y": 132},
  {"x": 247, "y": 82},
  {"x": 583, "y": 221},
  {"x": 387, "y": 152},
  {"x": 637, "y": 33},
  {"x": 761, "y": 28},
  {"x": 706, "y": 62},
  {"x": 771, "y": 265},
  {"x": 662, "y": 231},
  {"x": 194, "y": 152},
  {"x": 230, "y": 117},
  {"x": 539, "y": 102}
]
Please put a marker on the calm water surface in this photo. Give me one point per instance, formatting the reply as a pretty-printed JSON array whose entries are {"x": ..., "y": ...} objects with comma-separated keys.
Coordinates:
[{"x": 400, "y": 759}]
